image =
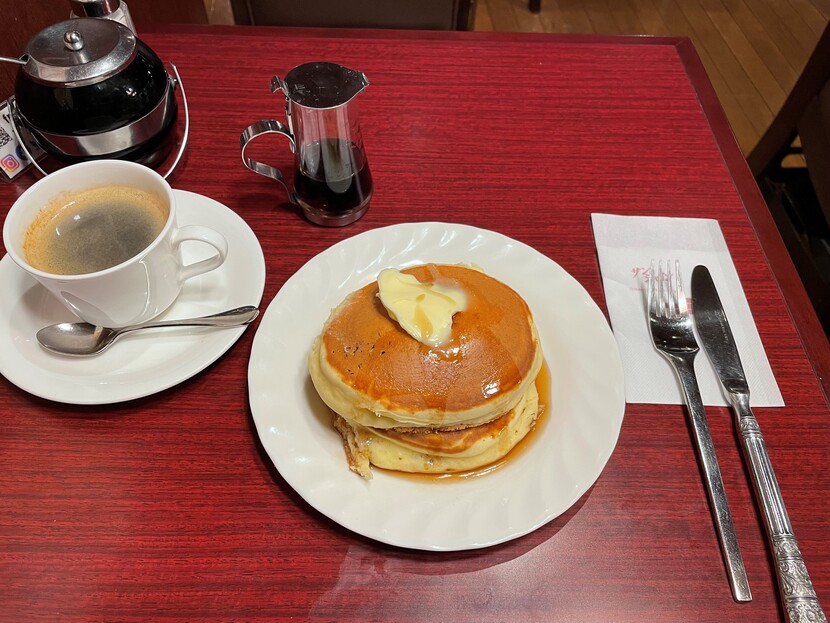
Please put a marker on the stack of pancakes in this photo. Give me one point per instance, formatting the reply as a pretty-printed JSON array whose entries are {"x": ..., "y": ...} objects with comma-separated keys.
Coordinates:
[{"x": 402, "y": 405}]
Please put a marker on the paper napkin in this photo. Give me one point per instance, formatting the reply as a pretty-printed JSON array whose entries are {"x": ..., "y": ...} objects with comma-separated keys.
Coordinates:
[{"x": 625, "y": 246}]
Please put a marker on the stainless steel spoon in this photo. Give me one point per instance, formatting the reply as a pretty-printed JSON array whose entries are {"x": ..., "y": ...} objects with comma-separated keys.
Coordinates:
[{"x": 81, "y": 338}]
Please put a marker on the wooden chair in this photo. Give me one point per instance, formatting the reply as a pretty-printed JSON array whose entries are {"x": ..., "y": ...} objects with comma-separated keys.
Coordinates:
[{"x": 799, "y": 197}]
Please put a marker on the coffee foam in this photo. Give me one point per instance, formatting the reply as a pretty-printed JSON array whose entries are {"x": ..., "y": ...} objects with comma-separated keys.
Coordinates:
[{"x": 43, "y": 252}]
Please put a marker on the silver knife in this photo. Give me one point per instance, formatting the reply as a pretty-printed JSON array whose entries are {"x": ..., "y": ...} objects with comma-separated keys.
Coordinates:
[{"x": 794, "y": 584}]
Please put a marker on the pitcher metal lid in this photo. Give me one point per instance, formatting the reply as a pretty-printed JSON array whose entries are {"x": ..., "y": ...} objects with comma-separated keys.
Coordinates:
[{"x": 320, "y": 84}]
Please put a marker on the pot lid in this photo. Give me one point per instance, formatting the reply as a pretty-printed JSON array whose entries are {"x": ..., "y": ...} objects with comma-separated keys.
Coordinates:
[{"x": 79, "y": 51}]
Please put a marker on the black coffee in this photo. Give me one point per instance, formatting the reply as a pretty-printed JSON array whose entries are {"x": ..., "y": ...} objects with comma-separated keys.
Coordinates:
[
  {"x": 333, "y": 177},
  {"x": 84, "y": 232}
]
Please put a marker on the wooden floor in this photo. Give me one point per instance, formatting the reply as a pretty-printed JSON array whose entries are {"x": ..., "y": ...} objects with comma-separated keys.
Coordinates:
[{"x": 753, "y": 50}]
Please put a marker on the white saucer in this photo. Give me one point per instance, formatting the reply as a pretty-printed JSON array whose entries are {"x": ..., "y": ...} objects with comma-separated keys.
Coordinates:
[{"x": 142, "y": 363}]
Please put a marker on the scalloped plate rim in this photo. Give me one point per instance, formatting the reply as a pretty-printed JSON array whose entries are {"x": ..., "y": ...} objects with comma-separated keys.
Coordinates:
[{"x": 308, "y": 454}]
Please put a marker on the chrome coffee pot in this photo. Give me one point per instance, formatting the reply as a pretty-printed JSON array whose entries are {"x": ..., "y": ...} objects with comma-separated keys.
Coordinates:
[
  {"x": 332, "y": 182},
  {"x": 88, "y": 88}
]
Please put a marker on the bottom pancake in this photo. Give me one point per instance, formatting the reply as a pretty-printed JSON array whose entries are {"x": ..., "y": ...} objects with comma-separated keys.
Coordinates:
[{"x": 437, "y": 452}]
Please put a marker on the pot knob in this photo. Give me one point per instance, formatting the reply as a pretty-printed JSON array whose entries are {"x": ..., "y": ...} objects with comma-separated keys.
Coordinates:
[{"x": 73, "y": 40}]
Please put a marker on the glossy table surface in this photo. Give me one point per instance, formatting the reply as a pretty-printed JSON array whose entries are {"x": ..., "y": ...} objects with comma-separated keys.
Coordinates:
[{"x": 166, "y": 508}]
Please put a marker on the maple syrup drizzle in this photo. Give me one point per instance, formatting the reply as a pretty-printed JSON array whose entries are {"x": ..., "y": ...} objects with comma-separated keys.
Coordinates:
[{"x": 543, "y": 388}]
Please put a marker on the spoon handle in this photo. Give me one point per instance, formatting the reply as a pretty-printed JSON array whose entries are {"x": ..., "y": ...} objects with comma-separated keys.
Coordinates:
[{"x": 230, "y": 318}]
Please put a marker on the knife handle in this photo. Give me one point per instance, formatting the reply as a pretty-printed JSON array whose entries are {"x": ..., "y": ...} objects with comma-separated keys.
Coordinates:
[
  {"x": 684, "y": 365},
  {"x": 794, "y": 584}
]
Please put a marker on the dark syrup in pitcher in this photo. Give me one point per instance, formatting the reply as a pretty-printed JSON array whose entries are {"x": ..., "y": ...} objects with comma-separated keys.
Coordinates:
[{"x": 332, "y": 178}]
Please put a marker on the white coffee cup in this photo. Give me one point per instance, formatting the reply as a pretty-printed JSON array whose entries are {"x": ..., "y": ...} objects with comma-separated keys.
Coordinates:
[{"x": 139, "y": 288}]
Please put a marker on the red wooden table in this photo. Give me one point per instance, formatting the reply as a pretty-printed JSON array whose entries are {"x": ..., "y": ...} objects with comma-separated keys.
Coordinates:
[{"x": 166, "y": 507}]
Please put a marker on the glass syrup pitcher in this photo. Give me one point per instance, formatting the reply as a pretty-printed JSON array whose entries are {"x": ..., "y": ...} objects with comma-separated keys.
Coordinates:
[{"x": 332, "y": 182}]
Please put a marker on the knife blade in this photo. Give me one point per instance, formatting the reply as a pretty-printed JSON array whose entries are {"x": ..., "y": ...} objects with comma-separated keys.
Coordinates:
[{"x": 794, "y": 585}]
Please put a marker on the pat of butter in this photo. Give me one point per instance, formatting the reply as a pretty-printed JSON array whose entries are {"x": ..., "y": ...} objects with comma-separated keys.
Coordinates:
[{"x": 424, "y": 310}]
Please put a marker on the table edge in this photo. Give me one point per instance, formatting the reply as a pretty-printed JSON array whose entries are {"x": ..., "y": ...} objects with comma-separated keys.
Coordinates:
[
  {"x": 813, "y": 339},
  {"x": 391, "y": 33}
]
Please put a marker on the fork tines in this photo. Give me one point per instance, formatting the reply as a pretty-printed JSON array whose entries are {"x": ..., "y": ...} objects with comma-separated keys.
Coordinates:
[{"x": 668, "y": 300}]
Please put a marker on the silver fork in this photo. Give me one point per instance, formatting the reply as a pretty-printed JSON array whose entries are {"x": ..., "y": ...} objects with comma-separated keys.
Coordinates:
[{"x": 671, "y": 331}]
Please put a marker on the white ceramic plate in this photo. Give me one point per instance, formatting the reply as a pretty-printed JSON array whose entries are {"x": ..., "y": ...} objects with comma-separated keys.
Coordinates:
[
  {"x": 558, "y": 466},
  {"x": 142, "y": 363}
]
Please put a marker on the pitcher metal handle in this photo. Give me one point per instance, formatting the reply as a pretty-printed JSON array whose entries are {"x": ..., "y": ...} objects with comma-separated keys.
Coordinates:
[
  {"x": 176, "y": 82},
  {"x": 258, "y": 128}
]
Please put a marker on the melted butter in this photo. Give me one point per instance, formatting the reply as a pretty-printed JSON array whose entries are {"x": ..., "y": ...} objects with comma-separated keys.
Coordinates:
[
  {"x": 452, "y": 352},
  {"x": 423, "y": 309}
]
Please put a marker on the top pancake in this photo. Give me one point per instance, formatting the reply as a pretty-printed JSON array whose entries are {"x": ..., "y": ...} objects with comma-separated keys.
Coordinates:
[{"x": 369, "y": 367}]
